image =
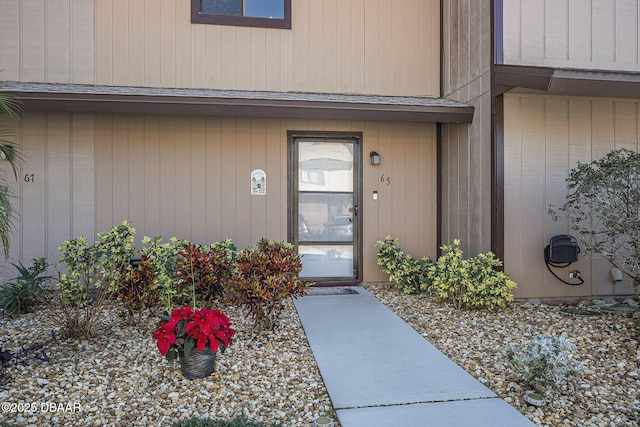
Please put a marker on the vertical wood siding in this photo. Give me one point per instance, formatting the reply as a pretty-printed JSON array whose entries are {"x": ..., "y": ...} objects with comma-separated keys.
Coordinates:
[
  {"x": 55, "y": 190},
  {"x": 388, "y": 48},
  {"x": 589, "y": 34},
  {"x": 47, "y": 41},
  {"x": 153, "y": 43},
  {"x": 545, "y": 137},
  {"x": 466, "y": 149},
  {"x": 189, "y": 177}
]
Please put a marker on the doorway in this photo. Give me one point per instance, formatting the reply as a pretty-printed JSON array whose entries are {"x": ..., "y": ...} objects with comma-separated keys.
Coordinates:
[{"x": 325, "y": 211}]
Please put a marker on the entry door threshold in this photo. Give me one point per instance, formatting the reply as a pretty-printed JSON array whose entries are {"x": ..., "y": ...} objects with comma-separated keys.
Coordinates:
[{"x": 332, "y": 283}]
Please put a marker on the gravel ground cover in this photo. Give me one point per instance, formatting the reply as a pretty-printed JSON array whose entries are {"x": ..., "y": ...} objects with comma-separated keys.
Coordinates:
[
  {"x": 119, "y": 377},
  {"x": 607, "y": 394}
]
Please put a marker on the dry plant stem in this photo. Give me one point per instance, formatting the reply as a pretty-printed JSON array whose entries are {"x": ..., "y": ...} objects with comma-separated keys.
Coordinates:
[{"x": 76, "y": 322}]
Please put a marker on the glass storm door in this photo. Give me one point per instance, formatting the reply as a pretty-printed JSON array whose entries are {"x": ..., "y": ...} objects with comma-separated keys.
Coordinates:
[{"x": 324, "y": 217}]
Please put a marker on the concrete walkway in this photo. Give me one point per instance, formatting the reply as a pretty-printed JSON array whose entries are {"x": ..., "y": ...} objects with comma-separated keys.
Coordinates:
[{"x": 380, "y": 372}]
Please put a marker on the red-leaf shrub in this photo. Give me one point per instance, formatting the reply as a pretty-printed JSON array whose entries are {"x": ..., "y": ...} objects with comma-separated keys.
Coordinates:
[
  {"x": 205, "y": 270},
  {"x": 264, "y": 277},
  {"x": 138, "y": 291}
]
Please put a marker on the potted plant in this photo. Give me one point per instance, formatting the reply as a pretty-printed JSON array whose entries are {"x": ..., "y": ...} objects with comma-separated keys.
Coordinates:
[{"x": 194, "y": 337}]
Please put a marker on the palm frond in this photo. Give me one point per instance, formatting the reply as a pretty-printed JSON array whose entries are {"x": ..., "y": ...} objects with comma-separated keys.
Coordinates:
[
  {"x": 10, "y": 112},
  {"x": 6, "y": 217},
  {"x": 13, "y": 154},
  {"x": 10, "y": 106}
]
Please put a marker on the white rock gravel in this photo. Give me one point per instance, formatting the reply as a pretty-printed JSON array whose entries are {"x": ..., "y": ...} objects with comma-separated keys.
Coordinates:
[
  {"x": 607, "y": 394},
  {"x": 119, "y": 378}
]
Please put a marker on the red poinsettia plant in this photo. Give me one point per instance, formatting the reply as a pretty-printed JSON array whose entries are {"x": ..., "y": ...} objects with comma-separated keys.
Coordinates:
[{"x": 189, "y": 330}]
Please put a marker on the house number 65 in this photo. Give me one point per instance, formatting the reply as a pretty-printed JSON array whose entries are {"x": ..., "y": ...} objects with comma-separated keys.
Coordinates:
[
  {"x": 30, "y": 177},
  {"x": 386, "y": 179}
]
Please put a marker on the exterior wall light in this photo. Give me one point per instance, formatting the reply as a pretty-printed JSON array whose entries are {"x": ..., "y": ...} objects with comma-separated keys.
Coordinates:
[{"x": 375, "y": 158}]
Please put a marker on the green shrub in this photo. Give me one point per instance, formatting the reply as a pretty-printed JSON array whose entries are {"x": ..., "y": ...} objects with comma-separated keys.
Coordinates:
[
  {"x": 263, "y": 278},
  {"x": 450, "y": 275},
  {"x": 409, "y": 273},
  {"x": 180, "y": 272},
  {"x": 544, "y": 362},
  {"x": 17, "y": 298},
  {"x": 92, "y": 275},
  {"x": 474, "y": 283},
  {"x": 163, "y": 260},
  {"x": 489, "y": 288},
  {"x": 23, "y": 293},
  {"x": 239, "y": 421}
]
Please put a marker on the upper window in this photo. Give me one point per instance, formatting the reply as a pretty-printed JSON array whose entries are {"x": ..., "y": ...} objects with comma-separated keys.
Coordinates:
[{"x": 248, "y": 13}]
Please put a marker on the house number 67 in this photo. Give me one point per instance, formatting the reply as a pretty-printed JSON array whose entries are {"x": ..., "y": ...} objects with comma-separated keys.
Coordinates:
[{"x": 30, "y": 177}]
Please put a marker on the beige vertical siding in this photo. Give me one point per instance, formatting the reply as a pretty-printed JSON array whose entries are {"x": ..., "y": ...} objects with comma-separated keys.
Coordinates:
[
  {"x": 47, "y": 41},
  {"x": 590, "y": 34},
  {"x": 189, "y": 177},
  {"x": 56, "y": 186},
  {"x": 544, "y": 138},
  {"x": 153, "y": 43},
  {"x": 466, "y": 149}
]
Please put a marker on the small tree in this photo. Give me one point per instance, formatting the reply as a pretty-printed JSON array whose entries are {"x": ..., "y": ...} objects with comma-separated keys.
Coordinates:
[{"x": 603, "y": 205}]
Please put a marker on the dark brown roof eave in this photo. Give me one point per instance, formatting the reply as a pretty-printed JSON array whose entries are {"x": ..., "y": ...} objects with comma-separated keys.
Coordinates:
[
  {"x": 567, "y": 81},
  {"x": 356, "y": 108}
]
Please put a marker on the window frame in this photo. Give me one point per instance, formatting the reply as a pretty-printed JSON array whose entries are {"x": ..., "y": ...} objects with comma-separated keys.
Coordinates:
[{"x": 240, "y": 21}]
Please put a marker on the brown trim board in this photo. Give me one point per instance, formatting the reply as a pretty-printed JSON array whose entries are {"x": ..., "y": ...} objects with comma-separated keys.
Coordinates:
[
  {"x": 566, "y": 81},
  {"x": 239, "y": 103},
  {"x": 497, "y": 177},
  {"x": 497, "y": 134}
]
